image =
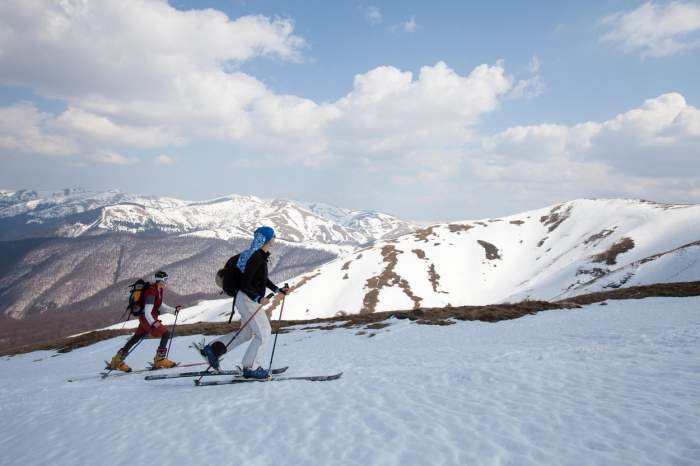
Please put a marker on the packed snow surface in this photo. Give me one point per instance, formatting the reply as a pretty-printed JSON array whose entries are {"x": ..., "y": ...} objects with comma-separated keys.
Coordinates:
[{"x": 602, "y": 385}]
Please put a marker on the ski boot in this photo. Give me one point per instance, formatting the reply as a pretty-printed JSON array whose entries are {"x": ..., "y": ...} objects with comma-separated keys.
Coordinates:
[
  {"x": 118, "y": 364},
  {"x": 212, "y": 352},
  {"x": 258, "y": 373},
  {"x": 161, "y": 362}
]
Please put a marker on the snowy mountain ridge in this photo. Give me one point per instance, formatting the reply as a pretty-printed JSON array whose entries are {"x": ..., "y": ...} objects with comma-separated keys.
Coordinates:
[
  {"x": 572, "y": 248},
  {"x": 76, "y": 212},
  {"x": 552, "y": 253}
]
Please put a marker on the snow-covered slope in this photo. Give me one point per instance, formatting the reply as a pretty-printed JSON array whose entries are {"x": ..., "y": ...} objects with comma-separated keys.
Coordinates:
[
  {"x": 550, "y": 253},
  {"x": 602, "y": 385},
  {"x": 74, "y": 212}
]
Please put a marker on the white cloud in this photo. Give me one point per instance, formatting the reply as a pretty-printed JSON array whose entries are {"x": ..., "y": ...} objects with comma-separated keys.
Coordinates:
[
  {"x": 112, "y": 158},
  {"x": 655, "y": 30},
  {"x": 130, "y": 48},
  {"x": 160, "y": 76},
  {"x": 87, "y": 125},
  {"x": 531, "y": 87},
  {"x": 23, "y": 128},
  {"x": 650, "y": 151},
  {"x": 163, "y": 159},
  {"x": 374, "y": 15},
  {"x": 528, "y": 88}
]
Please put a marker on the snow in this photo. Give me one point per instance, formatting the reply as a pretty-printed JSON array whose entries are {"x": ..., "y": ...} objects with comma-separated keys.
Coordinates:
[{"x": 614, "y": 384}]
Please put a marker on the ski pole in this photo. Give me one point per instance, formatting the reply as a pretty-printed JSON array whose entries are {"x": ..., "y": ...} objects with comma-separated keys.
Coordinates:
[
  {"x": 233, "y": 308},
  {"x": 286, "y": 286},
  {"x": 246, "y": 322},
  {"x": 238, "y": 333},
  {"x": 172, "y": 337},
  {"x": 126, "y": 313}
]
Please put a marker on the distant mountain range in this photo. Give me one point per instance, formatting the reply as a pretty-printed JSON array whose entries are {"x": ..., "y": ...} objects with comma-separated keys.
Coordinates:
[
  {"x": 76, "y": 250},
  {"x": 77, "y": 212}
]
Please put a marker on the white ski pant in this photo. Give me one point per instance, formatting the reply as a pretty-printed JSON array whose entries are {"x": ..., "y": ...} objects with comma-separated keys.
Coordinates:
[{"x": 258, "y": 329}]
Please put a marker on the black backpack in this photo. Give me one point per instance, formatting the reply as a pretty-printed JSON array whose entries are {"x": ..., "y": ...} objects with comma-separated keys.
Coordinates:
[
  {"x": 229, "y": 278},
  {"x": 137, "y": 297}
]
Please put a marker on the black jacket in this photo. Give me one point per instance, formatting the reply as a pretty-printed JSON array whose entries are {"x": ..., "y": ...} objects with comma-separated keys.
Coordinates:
[{"x": 255, "y": 279}]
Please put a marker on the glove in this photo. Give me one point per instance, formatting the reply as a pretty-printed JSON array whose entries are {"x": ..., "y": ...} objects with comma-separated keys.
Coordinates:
[
  {"x": 284, "y": 290},
  {"x": 177, "y": 309}
]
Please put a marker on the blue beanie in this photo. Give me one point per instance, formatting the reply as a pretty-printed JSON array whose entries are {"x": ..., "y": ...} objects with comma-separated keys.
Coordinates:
[{"x": 267, "y": 232}]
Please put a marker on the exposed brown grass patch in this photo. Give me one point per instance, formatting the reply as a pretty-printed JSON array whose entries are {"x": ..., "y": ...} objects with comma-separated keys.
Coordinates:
[
  {"x": 377, "y": 326},
  {"x": 610, "y": 256},
  {"x": 660, "y": 290},
  {"x": 490, "y": 249},
  {"x": 555, "y": 217},
  {"x": 277, "y": 300},
  {"x": 595, "y": 272},
  {"x": 516, "y": 222},
  {"x": 424, "y": 233},
  {"x": 599, "y": 236},
  {"x": 434, "y": 278},
  {"x": 346, "y": 265},
  {"x": 388, "y": 277},
  {"x": 419, "y": 252},
  {"x": 459, "y": 227}
]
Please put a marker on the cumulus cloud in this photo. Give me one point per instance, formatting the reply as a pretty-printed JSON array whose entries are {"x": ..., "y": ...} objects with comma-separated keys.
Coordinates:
[
  {"x": 649, "y": 151},
  {"x": 23, "y": 128},
  {"x": 136, "y": 73},
  {"x": 87, "y": 125},
  {"x": 130, "y": 48},
  {"x": 655, "y": 30}
]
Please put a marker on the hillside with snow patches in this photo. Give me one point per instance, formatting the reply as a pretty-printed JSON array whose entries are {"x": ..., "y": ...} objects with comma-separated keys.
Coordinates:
[
  {"x": 552, "y": 253},
  {"x": 76, "y": 212}
]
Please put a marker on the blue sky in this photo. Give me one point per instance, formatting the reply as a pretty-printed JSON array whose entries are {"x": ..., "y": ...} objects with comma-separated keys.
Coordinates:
[{"x": 427, "y": 110}]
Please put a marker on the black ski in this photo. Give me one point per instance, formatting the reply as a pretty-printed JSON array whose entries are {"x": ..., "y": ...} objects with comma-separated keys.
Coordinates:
[
  {"x": 314, "y": 378},
  {"x": 115, "y": 373},
  {"x": 234, "y": 372}
]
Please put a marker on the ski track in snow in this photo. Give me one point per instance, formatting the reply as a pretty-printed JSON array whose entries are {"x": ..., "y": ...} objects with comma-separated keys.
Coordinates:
[{"x": 616, "y": 384}]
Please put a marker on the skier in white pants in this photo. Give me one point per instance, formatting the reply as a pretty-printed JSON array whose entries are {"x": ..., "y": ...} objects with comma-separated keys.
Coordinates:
[
  {"x": 252, "y": 264},
  {"x": 258, "y": 329}
]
